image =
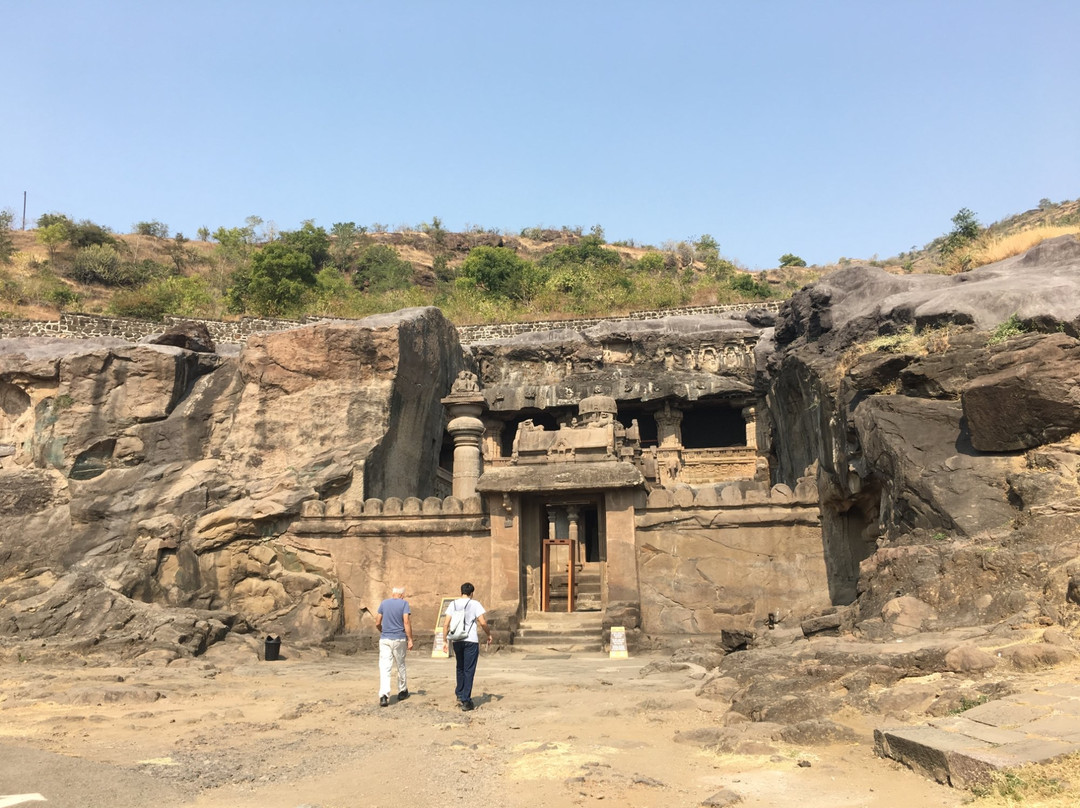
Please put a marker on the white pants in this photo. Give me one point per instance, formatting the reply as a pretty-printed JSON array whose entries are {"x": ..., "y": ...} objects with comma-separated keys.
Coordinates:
[{"x": 391, "y": 654}]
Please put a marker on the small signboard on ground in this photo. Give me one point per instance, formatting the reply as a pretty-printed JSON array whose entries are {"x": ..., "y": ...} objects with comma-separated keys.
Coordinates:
[
  {"x": 618, "y": 643},
  {"x": 438, "y": 647}
]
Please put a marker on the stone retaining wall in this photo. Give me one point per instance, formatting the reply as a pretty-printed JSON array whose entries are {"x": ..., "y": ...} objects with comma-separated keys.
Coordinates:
[
  {"x": 88, "y": 326},
  {"x": 492, "y": 331},
  {"x": 236, "y": 332}
]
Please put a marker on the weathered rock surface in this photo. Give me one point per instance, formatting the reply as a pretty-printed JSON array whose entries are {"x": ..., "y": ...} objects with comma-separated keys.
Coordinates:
[
  {"x": 145, "y": 484},
  {"x": 673, "y": 356},
  {"x": 191, "y": 336},
  {"x": 143, "y": 488},
  {"x": 917, "y": 449},
  {"x": 1029, "y": 397}
]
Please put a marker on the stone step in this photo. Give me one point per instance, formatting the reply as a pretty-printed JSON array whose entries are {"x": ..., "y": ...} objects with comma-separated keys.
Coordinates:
[
  {"x": 558, "y": 648},
  {"x": 563, "y": 619},
  {"x": 561, "y": 632},
  {"x": 588, "y": 605}
]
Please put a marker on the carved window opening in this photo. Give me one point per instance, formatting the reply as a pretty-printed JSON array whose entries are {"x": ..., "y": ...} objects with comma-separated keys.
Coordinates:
[
  {"x": 646, "y": 423},
  {"x": 713, "y": 427}
]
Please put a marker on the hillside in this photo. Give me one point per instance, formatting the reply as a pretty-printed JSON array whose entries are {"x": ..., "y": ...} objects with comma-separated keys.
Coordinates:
[
  {"x": 475, "y": 277},
  {"x": 1047, "y": 216},
  {"x": 579, "y": 275}
]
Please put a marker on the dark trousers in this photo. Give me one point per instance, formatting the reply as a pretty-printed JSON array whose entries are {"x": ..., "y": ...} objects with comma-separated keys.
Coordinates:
[{"x": 465, "y": 654}]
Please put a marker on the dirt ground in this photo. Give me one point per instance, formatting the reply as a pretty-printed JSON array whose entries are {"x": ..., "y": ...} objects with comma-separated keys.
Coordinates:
[{"x": 306, "y": 731}]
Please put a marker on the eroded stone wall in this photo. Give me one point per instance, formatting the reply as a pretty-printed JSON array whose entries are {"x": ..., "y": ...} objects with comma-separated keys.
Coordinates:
[
  {"x": 723, "y": 558},
  {"x": 429, "y": 546}
]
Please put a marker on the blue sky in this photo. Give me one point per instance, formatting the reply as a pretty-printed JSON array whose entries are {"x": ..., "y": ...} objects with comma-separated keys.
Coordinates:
[{"x": 825, "y": 129}]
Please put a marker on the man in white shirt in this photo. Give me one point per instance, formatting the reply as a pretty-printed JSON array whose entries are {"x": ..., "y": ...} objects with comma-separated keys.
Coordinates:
[{"x": 466, "y": 651}]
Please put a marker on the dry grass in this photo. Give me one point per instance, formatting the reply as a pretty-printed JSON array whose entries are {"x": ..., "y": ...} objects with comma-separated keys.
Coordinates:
[
  {"x": 1046, "y": 785},
  {"x": 991, "y": 249},
  {"x": 928, "y": 341}
]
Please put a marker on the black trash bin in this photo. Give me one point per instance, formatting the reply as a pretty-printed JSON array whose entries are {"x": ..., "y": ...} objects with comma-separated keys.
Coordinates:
[{"x": 272, "y": 649}]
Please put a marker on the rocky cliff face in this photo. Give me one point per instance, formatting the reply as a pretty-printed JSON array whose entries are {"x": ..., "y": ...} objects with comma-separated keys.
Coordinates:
[
  {"x": 137, "y": 478},
  {"x": 946, "y": 457},
  {"x": 142, "y": 487},
  {"x": 687, "y": 357}
]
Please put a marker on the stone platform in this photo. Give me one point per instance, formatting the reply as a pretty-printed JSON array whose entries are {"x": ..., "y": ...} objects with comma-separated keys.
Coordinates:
[{"x": 962, "y": 750}]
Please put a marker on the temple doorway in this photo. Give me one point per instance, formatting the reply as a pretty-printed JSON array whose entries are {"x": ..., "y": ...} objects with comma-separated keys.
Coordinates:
[{"x": 573, "y": 550}]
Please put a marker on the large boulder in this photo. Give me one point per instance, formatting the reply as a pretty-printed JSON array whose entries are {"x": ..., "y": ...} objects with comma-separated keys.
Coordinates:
[{"x": 1030, "y": 397}]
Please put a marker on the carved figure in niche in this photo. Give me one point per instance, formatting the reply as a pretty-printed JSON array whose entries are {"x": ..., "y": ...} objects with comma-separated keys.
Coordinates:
[
  {"x": 709, "y": 360},
  {"x": 465, "y": 383},
  {"x": 671, "y": 467}
]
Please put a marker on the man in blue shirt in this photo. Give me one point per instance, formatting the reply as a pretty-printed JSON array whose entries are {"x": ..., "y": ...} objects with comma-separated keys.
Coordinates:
[{"x": 395, "y": 639}]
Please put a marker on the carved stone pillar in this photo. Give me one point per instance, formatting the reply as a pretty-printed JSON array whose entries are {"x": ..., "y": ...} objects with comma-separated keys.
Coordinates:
[
  {"x": 574, "y": 515},
  {"x": 465, "y": 405},
  {"x": 668, "y": 427},
  {"x": 749, "y": 414},
  {"x": 668, "y": 445}
]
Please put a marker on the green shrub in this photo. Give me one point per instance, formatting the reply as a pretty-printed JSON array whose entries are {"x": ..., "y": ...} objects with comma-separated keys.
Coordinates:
[
  {"x": 10, "y": 290},
  {"x": 334, "y": 293},
  {"x": 966, "y": 230},
  {"x": 7, "y": 243},
  {"x": 790, "y": 260},
  {"x": 501, "y": 272},
  {"x": 590, "y": 250},
  {"x": 88, "y": 234},
  {"x": 154, "y": 229},
  {"x": 50, "y": 219},
  {"x": 379, "y": 268},
  {"x": 440, "y": 265},
  {"x": 274, "y": 284},
  {"x": 43, "y": 288},
  {"x": 652, "y": 262},
  {"x": 80, "y": 234},
  {"x": 345, "y": 245},
  {"x": 310, "y": 240},
  {"x": 144, "y": 303},
  {"x": 747, "y": 285},
  {"x": 63, "y": 297},
  {"x": 589, "y": 289},
  {"x": 97, "y": 263},
  {"x": 183, "y": 297},
  {"x": 1012, "y": 327},
  {"x": 101, "y": 264},
  {"x": 52, "y": 236}
]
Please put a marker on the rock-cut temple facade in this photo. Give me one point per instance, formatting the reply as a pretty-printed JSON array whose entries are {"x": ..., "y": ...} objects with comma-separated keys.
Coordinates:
[{"x": 620, "y": 472}]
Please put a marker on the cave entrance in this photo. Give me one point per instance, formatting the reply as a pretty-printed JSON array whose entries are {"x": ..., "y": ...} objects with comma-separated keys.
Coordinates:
[{"x": 573, "y": 551}]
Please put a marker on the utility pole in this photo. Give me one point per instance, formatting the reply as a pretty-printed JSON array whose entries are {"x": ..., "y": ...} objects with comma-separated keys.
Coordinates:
[{"x": 24, "y": 210}]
